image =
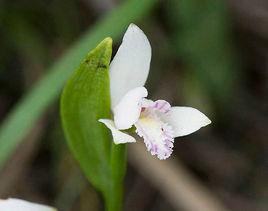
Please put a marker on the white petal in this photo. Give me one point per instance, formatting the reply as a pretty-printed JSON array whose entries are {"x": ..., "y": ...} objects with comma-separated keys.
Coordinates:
[
  {"x": 128, "y": 110},
  {"x": 131, "y": 64},
  {"x": 21, "y": 205},
  {"x": 118, "y": 136},
  {"x": 185, "y": 120}
]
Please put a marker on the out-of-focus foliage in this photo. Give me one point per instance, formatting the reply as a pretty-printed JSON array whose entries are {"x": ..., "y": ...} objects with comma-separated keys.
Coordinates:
[{"x": 200, "y": 34}]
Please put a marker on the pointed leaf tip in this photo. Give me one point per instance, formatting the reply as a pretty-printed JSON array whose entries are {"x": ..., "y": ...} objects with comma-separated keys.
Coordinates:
[{"x": 107, "y": 41}]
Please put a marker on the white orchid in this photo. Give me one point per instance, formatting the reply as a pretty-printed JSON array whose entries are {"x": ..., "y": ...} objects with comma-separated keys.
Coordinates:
[
  {"x": 155, "y": 121},
  {"x": 21, "y": 205}
]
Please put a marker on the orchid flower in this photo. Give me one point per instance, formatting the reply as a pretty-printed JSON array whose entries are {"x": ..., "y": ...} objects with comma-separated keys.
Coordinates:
[
  {"x": 155, "y": 121},
  {"x": 21, "y": 205}
]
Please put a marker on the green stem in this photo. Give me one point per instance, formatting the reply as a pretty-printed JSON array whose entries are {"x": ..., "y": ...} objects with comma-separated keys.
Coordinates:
[{"x": 114, "y": 201}]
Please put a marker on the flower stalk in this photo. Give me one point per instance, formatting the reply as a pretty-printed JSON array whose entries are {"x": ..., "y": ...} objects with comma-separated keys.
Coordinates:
[{"x": 118, "y": 170}]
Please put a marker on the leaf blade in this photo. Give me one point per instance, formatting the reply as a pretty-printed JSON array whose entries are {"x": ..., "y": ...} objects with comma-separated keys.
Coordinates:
[{"x": 85, "y": 99}]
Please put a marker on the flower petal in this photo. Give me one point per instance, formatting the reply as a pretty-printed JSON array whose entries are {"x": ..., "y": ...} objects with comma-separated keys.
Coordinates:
[
  {"x": 118, "y": 136},
  {"x": 159, "y": 105},
  {"x": 128, "y": 110},
  {"x": 21, "y": 205},
  {"x": 130, "y": 66},
  {"x": 185, "y": 120}
]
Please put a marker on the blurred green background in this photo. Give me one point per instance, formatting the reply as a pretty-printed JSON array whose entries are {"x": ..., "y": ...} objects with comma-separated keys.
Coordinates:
[{"x": 209, "y": 54}]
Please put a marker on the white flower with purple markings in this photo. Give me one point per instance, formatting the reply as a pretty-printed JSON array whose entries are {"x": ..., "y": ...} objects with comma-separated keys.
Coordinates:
[{"x": 155, "y": 121}]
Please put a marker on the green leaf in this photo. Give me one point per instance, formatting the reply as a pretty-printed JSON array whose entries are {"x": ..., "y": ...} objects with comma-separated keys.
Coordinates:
[{"x": 85, "y": 99}]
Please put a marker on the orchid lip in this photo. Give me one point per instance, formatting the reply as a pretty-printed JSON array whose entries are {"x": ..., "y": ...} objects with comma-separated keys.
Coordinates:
[{"x": 157, "y": 135}]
